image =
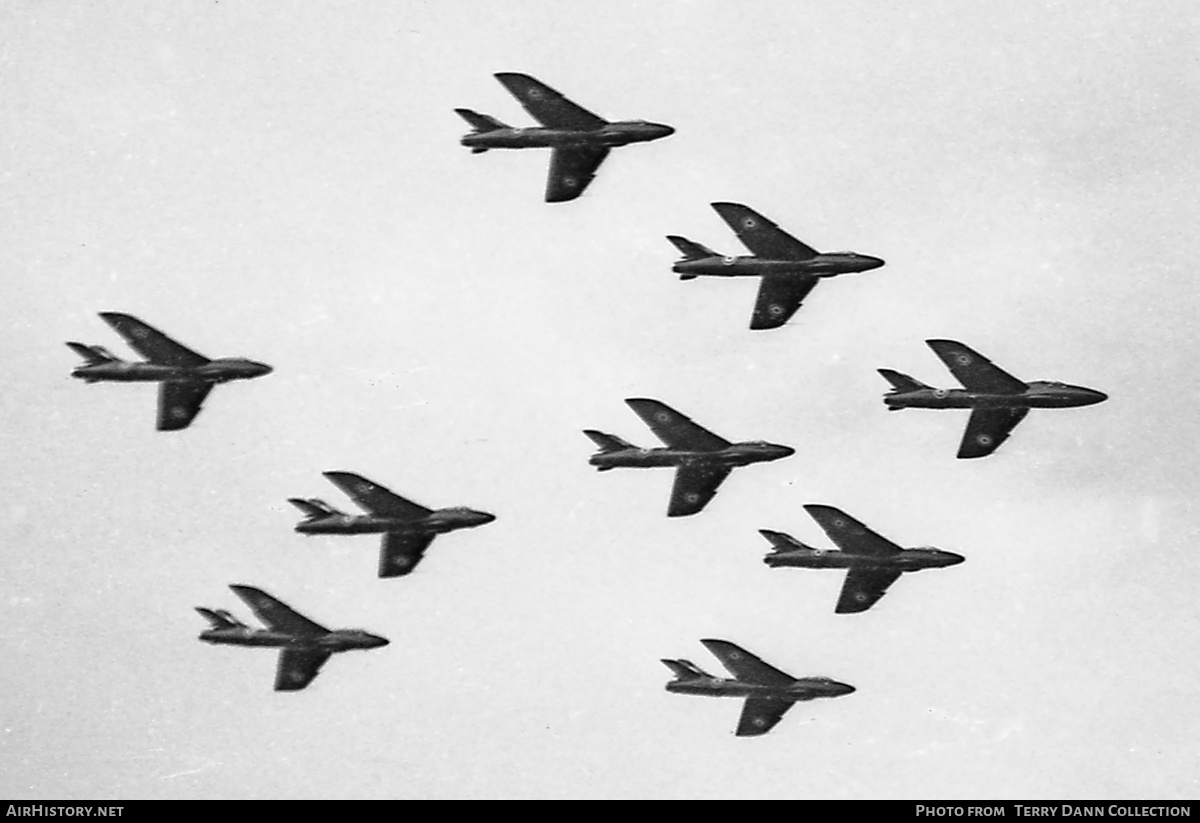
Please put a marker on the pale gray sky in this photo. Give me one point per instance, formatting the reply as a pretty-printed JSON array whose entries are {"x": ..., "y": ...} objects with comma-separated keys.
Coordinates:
[{"x": 285, "y": 183}]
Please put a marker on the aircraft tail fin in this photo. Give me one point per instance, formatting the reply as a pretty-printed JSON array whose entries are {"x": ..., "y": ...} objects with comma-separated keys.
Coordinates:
[
  {"x": 690, "y": 249},
  {"x": 608, "y": 442},
  {"x": 94, "y": 355},
  {"x": 481, "y": 122},
  {"x": 685, "y": 669},
  {"x": 221, "y": 619},
  {"x": 781, "y": 542},
  {"x": 313, "y": 509},
  {"x": 902, "y": 382}
]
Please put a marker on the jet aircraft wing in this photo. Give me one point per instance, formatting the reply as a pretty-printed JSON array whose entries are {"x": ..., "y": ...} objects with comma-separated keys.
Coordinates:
[
  {"x": 761, "y": 714},
  {"x": 745, "y": 666},
  {"x": 401, "y": 552},
  {"x": 678, "y": 431},
  {"x": 761, "y": 236},
  {"x": 863, "y": 588},
  {"x": 850, "y": 535},
  {"x": 694, "y": 487},
  {"x": 779, "y": 297},
  {"x": 987, "y": 429},
  {"x": 375, "y": 498},
  {"x": 571, "y": 170},
  {"x": 973, "y": 370},
  {"x": 150, "y": 343},
  {"x": 297, "y": 668},
  {"x": 179, "y": 402},
  {"x": 548, "y": 106},
  {"x": 276, "y": 615}
]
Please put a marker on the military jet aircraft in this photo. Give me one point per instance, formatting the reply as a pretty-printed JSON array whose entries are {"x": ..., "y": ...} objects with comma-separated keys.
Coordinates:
[
  {"x": 998, "y": 401},
  {"x": 185, "y": 378},
  {"x": 789, "y": 269},
  {"x": 580, "y": 140},
  {"x": 305, "y": 645},
  {"x": 769, "y": 692},
  {"x": 702, "y": 459},
  {"x": 408, "y": 528},
  {"x": 875, "y": 562}
]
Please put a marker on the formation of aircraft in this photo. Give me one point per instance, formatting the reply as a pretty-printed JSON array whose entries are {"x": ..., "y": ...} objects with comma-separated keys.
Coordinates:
[
  {"x": 789, "y": 268},
  {"x": 769, "y": 693},
  {"x": 304, "y": 645},
  {"x": 874, "y": 562},
  {"x": 702, "y": 460},
  {"x": 407, "y": 527},
  {"x": 580, "y": 139},
  {"x": 185, "y": 377},
  {"x": 998, "y": 401}
]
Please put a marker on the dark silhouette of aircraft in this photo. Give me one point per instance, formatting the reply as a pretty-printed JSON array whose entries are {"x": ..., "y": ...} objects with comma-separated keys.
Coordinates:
[
  {"x": 408, "y": 528},
  {"x": 581, "y": 140},
  {"x": 874, "y": 562},
  {"x": 305, "y": 645},
  {"x": 702, "y": 459},
  {"x": 998, "y": 401},
  {"x": 185, "y": 378},
  {"x": 769, "y": 692},
  {"x": 789, "y": 269}
]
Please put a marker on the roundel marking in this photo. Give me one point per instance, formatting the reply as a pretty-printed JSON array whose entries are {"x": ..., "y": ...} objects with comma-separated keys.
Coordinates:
[
  {"x": 535, "y": 93},
  {"x": 840, "y": 523},
  {"x": 984, "y": 440},
  {"x": 363, "y": 488},
  {"x": 570, "y": 182},
  {"x": 141, "y": 333},
  {"x": 749, "y": 223},
  {"x": 760, "y": 721},
  {"x": 662, "y": 417},
  {"x": 178, "y": 412},
  {"x": 940, "y": 393},
  {"x": 818, "y": 552},
  {"x": 860, "y": 597},
  {"x": 962, "y": 359},
  {"x": 728, "y": 260},
  {"x": 775, "y": 309},
  {"x": 402, "y": 560},
  {"x": 295, "y": 677},
  {"x": 735, "y": 655},
  {"x": 691, "y": 497}
]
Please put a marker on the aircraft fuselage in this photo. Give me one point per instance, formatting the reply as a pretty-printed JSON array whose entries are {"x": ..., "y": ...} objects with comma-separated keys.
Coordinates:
[
  {"x": 215, "y": 371},
  {"x": 1039, "y": 395},
  {"x": 804, "y": 688},
  {"x": 823, "y": 265},
  {"x": 336, "y": 641},
  {"x": 610, "y": 135},
  {"x": 439, "y": 522},
  {"x": 737, "y": 454},
  {"x": 909, "y": 560}
]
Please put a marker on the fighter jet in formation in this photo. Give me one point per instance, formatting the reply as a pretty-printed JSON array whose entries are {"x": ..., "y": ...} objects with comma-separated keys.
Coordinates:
[
  {"x": 998, "y": 401},
  {"x": 875, "y": 562},
  {"x": 185, "y": 378},
  {"x": 789, "y": 269},
  {"x": 305, "y": 645},
  {"x": 408, "y": 528},
  {"x": 769, "y": 692},
  {"x": 702, "y": 459},
  {"x": 580, "y": 139}
]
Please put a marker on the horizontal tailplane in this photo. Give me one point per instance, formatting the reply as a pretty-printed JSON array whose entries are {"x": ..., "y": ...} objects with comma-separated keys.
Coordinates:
[
  {"x": 902, "y": 382},
  {"x": 690, "y": 249},
  {"x": 781, "y": 542},
  {"x": 220, "y": 619},
  {"x": 608, "y": 442},
  {"x": 94, "y": 355},
  {"x": 310, "y": 508},
  {"x": 481, "y": 122}
]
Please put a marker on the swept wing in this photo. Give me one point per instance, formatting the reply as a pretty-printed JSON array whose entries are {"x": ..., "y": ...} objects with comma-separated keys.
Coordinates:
[
  {"x": 987, "y": 429},
  {"x": 745, "y": 666},
  {"x": 401, "y": 552},
  {"x": 179, "y": 401},
  {"x": 571, "y": 170},
  {"x": 694, "y": 487},
  {"x": 850, "y": 535},
  {"x": 863, "y": 588},
  {"x": 779, "y": 296},
  {"x": 973, "y": 370},
  {"x": 375, "y": 498},
  {"x": 761, "y": 714},
  {"x": 761, "y": 236},
  {"x": 675, "y": 429},
  {"x": 276, "y": 615},
  {"x": 150, "y": 343},
  {"x": 297, "y": 668},
  {"x": 547, "y": 106}
]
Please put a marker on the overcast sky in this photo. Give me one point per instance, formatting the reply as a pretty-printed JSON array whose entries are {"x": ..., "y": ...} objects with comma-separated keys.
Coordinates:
[{"x": 285, "y": 182}]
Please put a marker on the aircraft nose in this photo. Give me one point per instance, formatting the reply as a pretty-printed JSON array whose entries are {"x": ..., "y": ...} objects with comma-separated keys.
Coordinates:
[
  {"x": 784, "y": 451},
  {"x": 954, "y": 559},
  {"x": 262, "y": 368},
  {"x": 665, "y": 130},
  {"x": 844, "y": 689},
  {"x": 1094, "y": 396},
  {"x": 875, "y": 262},
  {"x": 380, "y": 642},
  {"x": 483, "y": 518}
]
